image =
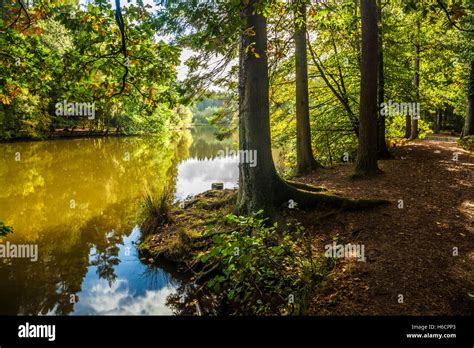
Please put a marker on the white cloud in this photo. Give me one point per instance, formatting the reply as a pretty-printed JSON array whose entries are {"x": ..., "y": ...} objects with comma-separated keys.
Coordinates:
[{"x": 117, "y": 300}]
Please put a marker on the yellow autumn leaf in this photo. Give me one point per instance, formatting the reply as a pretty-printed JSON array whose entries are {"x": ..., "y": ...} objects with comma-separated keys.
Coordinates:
[
  {"x": 255, "y": 53},
  {"x": 5, "y": 99},
  {"x": 46, "y": 78},
  {"x": 250, "y": 31}
]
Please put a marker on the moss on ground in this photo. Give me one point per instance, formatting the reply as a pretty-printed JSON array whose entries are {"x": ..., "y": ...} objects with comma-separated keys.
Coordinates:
[{"x": 182, "y": 238}]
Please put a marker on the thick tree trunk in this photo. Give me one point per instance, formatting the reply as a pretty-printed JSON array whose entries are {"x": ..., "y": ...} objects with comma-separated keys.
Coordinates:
[
  {"x": 257, "y": 182},
  {"x": 366, "y": 163},
  {"x": 416, "y": 82},
  {"x": 382, "y": 150},
  {"x": 469, "y": 123},
  {"x": 304, "y": 154},
  {"x": 407, "y": 126}
]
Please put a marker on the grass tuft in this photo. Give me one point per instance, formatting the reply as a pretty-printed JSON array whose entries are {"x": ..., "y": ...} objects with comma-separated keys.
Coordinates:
[{"x": 155, "y": 211}]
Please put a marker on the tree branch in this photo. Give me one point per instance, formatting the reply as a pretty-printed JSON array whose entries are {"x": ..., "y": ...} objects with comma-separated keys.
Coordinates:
[
  {"x": 440, "y": 3},
  {"x": 121, "y": 25}
]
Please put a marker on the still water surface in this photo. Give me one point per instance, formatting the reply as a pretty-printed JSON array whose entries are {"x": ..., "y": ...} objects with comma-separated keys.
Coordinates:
[{"x": 78, "y": 200}]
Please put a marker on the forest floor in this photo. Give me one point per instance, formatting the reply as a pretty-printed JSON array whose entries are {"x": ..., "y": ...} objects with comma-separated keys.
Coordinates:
[{"x": 409, "y": 251}]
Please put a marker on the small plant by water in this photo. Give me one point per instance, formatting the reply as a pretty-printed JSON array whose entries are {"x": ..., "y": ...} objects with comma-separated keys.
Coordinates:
[
  {"x": 262, "y": 271},
  {"x": 155, "y": 211}
]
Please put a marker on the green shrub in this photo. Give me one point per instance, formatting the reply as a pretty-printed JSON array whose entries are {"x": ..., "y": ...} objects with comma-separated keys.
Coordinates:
[
  {"x": 396, "y": 127},
  {"x": 261, "y": 269}
]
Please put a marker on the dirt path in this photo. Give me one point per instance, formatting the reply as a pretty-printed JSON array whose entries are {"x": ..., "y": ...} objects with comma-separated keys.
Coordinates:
[{"x": 409, "y": 251}]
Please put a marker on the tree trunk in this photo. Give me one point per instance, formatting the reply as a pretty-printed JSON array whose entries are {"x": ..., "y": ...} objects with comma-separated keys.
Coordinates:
[
  {"x": 416, "y": 82},
  {"x": 304, "y": 154},
  {"x": 382, "y": 150},
  {"x": 256, "y": 190},
  {"x": 407, "y": 126},
  {"x": 443, "y": 118},
  {"x": 469, "y": 123},
  {"x": 366, "y": 163},
  {"x": 437, "y": 121}
]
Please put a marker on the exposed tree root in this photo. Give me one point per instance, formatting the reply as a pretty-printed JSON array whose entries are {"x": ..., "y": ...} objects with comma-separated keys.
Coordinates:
[
  {"x": 307, "y": 199},
  {"x": 206, "y": 272},
  {"x": 306, "y": 187}
]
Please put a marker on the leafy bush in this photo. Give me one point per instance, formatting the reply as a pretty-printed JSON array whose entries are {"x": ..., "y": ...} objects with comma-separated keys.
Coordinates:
[
  {"x": 467, "y": 142},
  {"x": 396, "y": 127},
  {"x": 262, "y": 271}
]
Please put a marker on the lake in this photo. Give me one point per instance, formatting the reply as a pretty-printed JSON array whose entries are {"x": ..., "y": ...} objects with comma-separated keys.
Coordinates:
[{"x": 78, "y": 201}]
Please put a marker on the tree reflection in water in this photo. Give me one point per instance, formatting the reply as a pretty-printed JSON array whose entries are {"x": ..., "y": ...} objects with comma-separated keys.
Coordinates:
[{"x": 82, "y": 245}]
